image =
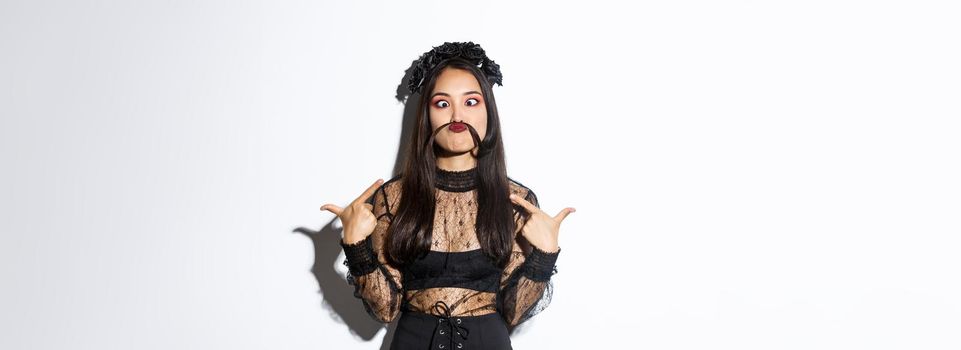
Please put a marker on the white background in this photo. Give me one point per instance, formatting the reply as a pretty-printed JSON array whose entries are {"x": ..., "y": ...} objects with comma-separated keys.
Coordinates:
[{"x": 747, "y": 174}]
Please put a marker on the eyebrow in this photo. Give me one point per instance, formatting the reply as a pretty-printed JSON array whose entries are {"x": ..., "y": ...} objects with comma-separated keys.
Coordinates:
[{"x": 465, "y": 94}]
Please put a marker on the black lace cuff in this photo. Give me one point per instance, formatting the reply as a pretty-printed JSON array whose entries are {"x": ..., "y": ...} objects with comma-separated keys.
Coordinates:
[
  {"x": 361, "y": 258},
  {"x": 539, "y": 265}
]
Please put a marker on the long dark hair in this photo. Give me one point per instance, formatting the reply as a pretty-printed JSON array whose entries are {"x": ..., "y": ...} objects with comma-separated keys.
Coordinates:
[{"x": 409, "y": 236}]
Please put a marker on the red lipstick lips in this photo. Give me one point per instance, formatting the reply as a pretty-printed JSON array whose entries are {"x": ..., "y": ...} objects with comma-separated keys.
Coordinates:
[{"x": 457, "y": 127}]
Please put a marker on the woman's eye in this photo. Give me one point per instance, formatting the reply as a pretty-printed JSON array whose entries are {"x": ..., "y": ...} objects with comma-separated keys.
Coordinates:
[
  {"x": 441, "y": 104},
  {"x": 476, "y": 101}
]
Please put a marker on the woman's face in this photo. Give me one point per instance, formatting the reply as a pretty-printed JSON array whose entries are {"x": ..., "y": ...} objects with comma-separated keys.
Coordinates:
[{"x": 457, "y": 98}]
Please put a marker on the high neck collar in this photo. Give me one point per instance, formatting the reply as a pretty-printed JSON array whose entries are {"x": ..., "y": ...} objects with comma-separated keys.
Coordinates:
[{"x": 456, "y": 181}]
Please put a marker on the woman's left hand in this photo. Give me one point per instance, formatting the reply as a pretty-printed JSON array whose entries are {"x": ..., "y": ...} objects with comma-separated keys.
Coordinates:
[{"x": 541, "y": 230}]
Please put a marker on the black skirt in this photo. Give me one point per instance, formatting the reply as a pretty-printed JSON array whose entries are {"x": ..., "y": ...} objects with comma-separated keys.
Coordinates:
[{"x": 422, "y": 331}]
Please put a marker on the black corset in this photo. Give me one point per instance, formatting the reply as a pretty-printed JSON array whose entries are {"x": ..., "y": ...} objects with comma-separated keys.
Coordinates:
[{"x": 470, "y": 269}]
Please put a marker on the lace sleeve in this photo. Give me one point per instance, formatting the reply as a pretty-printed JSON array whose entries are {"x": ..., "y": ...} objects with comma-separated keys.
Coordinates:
[
  {"x": 526, "y": 288},
  {"x": 375, "y": 282}
]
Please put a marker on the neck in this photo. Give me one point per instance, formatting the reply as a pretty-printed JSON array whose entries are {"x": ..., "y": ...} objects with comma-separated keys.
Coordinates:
[
  {"x": 457, "y": 178},
  {"x": 460, "y": 162}
]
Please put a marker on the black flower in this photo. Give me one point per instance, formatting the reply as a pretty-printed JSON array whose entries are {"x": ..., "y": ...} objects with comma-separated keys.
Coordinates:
[
  {"x": 416, "y": 79},
  {"x": 468, "y": 51},
  {"x": 493, "y": 71},
  {"x": 473, "y": 52},
  {"x": 448, "y": 49}
]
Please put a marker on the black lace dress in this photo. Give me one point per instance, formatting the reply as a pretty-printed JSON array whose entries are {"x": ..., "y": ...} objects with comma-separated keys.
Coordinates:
[{"x": 455, "y": 297}]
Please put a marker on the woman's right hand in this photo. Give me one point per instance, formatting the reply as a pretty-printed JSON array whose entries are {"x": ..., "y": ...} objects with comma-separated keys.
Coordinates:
[{"x": 357, "y": 217}]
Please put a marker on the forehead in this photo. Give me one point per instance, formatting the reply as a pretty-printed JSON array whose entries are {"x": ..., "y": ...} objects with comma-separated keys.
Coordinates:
[{"x": 455, "y": 80}]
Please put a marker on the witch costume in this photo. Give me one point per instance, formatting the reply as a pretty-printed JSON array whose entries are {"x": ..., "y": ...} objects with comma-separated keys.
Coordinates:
[{"x": 454, "y": 296}]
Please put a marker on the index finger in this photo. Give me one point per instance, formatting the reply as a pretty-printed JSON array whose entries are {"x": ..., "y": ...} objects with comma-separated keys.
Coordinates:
[
  {"x": 524, "y": 203},
  {"x": 369, "y": 192}
]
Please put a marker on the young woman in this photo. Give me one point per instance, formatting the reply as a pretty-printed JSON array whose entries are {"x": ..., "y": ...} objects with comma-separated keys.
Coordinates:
[{"x": 458, "y": 250}]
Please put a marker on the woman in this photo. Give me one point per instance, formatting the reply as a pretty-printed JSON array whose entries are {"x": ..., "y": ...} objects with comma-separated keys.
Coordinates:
[{"x": 453, "y": 246}]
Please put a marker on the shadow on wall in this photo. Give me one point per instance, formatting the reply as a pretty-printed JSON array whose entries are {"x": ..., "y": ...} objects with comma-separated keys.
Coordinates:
[{"x": 338, "y": 295}]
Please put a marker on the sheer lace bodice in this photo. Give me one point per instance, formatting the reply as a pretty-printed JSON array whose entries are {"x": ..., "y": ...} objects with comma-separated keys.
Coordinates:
[{"x": 455, "y": 271}]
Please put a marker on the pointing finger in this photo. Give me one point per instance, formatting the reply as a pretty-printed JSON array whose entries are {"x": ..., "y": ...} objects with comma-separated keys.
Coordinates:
[
  {"x": 369, "y": 192},
  {"x": 523, "y": 203}
]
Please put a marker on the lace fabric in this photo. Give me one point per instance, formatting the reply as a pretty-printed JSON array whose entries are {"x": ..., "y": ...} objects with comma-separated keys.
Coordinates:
[{"x": 455, "y": 271}]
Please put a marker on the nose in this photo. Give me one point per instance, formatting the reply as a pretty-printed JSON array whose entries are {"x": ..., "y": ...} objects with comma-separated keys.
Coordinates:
[{"x": 455, "y": 115}]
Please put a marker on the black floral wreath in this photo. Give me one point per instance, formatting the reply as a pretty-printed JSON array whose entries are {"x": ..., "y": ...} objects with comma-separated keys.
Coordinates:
[{"x": 468, "y": 51}]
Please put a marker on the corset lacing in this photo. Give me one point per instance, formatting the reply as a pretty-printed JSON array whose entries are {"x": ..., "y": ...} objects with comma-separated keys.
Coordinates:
[{"x": 452, "y": 327}]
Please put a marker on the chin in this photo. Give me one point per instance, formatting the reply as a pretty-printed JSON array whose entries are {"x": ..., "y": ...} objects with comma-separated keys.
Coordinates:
[
  {"x": 457, "y": 150},
  {"x": 455, "y": 146}
]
